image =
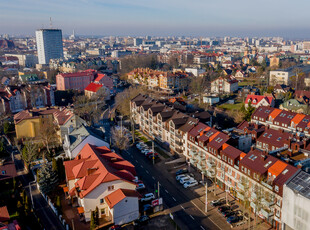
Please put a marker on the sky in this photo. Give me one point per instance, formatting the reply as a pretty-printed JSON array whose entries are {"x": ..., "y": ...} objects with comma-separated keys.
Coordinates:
[{"x": 285, "y": 18}]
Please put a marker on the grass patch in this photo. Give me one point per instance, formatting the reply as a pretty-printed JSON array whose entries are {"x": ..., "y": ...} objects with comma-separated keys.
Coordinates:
[{"x": 226, "y": 106}]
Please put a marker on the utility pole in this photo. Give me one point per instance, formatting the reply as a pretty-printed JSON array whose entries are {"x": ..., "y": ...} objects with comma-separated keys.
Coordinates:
[
  {"x": 158, "y": 194},
  {"x": 153, "y": 151},
  {"x": 206, "y": 204}
]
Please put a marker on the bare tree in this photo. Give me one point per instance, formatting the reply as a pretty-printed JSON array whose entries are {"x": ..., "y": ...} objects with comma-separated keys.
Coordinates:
[
  {"x": 119, "y": 138},
  {"x": 29, "y": 151},
  {"x": 48, "y": 135}
]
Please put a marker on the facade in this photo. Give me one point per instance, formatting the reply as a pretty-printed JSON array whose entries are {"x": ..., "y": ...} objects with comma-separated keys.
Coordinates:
[
  {"x": 98, "y": 177},
  {"x": 14, "y": 99},
  {"x": 76, "y": 81},
  {"x": 49, "y": 45},
  {"x": 283, "y": 76},
  {"x": 210, "y": 99},
  {"x": 27, "y": 60},
  {"x": 296, "y": 199},
  {"x": 29, "y": 123},
  {"x": 282, "y": 120},
  {"x": 226, "y": 84},
  {"x": 259, "y": 100}
]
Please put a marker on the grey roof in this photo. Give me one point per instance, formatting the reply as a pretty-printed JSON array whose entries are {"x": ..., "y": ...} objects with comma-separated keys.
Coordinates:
[
  {"x": 83, "y": 132},
  {"x": 300, "y": 184}
]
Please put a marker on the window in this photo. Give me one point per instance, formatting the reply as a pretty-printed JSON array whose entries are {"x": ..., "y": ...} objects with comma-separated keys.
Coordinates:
[
  {"x": 111, "y": 188},
  {"x": 276, "y": 188},
  {"x": 102, "y": 211},
  {"x": 101, "y": 201},
  {"x": 3, "y": 172}
]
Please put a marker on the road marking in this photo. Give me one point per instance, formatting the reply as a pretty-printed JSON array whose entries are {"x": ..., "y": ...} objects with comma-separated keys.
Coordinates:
[
  {"x": 202, "y": 227},
  {"x": 182, "y": 207},
  {"x": 153, "y": 178},
  {"x": 166, "y": 191},
  {"x": 192, "y": 217},
  {"x": 141, "y": 166},
  {"x": 136, "y": 161},
  {"x": 147, "y": 171},
  {"x": 174, "y": 199}
]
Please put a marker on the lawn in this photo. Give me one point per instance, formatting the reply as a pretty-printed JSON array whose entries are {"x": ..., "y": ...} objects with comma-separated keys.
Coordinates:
[{"x": 236, "y": 106}]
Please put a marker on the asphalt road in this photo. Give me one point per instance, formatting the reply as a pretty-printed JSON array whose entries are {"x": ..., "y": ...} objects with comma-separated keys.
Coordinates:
[
  {"x": 48, "y": 218},
  {"x": 175, "y": 197}
]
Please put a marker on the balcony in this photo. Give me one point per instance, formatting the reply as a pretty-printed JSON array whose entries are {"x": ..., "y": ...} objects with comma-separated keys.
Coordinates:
[
  {"x": 266, "y": 185},
  {"x": 267, "y": 202},
  {"x": 211, "y": 173},
  {"x": 266, "y": 213},
  {"x": 179, "y": 136},
  {"x": 240, "y": 196},
  {"x": 236, "y": 167},
  {"x": 211, "y": 164},
  {"x": 240, "y": 186}
]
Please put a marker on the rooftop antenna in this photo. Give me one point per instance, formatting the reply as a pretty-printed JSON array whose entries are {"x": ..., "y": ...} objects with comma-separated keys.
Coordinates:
[{"x": 51, "y": 23}]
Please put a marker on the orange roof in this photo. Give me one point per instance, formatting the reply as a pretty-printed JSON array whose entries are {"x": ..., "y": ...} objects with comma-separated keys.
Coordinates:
[
  {"x": 80, "y": 210},
  {"x": 298, "y": 118},
  {"x": 213, "y": 136},
  {"x": 275, "y": 113},
  {"x": 277, "y": 168},
  {"x": 66, "y": 189},
  {"x": 4, "y": 214},
  {"x": 115, "y": 197},
  {"x": 242, "y": 155},
  {"x": 225, "y": 146}
]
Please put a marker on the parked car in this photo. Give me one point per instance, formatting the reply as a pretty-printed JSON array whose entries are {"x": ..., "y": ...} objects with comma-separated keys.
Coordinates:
[
  {"x": 144, "y": 151},
  {"x": 137, "y": 181},
  {"x": 179, "y": 177},
  {"x": 230, "y": 213},
  {"x": 150, "y": 155},
  {"x": 147, "y": 197},
  {"x": 186, "y": 179},
  {"x": 218, "y": 202},
  {"x": 141, "y": 220},
  {"x": 147, "y": 208},
  {"x": 223, "y": 208},
  {"x": 140, "y": 186},
  {"x": 190, "y": 183},
  {"x": 181, "y": 171},
  {"x": 234, "y": 219},
  {"x": 115, "y": 227}
]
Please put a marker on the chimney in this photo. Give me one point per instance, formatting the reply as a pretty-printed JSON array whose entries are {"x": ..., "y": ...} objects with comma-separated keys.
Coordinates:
[
  {"x": 266, "y": 127},
  {"x": 252, "y": 147}
]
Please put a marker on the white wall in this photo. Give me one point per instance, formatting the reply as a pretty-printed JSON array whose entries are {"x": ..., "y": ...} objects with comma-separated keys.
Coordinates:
[
  {"x": 126, "y": 211},
  {"x": 92, "y": 200},
  {"x": 295, "y": 210}
]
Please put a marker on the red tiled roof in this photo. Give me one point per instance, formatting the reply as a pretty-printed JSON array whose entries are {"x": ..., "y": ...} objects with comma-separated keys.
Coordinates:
[
  {"x": 255, "y": 99},
  {"x": 115, "y": 197},
  {"x": 4, "y": 214},
  {"x": 93, "y": 87}
]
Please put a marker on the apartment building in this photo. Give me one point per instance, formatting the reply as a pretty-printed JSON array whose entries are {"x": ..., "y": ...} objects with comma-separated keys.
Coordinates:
[
  {"x": 160, "y": 79},
  {"x": 98, "y": 177},
  {"x": 76, "y": 81},
  {"x": 161, "y": 122},
  {"x": 255, "y": 177},
  {"x": 284, "y": 76},
  {"x": 227, "y": 84},
  {"x": 281, "y": 119}
]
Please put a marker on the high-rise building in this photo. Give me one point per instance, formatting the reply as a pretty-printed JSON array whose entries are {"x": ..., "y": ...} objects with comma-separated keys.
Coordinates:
[
  {"x": 137, "y": 41},
  {"x": 49, "y": 45}
]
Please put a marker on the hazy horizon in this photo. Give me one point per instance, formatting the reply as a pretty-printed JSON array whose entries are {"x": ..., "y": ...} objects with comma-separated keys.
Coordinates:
[{"x": 159, "y": 18}]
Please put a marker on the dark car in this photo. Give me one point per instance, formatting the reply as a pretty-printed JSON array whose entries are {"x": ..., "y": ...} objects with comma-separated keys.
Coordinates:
[
  {"x": 223, "y": 208},
  {"x": 181, "y": 171},
  {"x": 147, "y": 208},
  {"x": 229, "y": 213},
  {"x": 234, "y": 219},
  {"x": 216, "y": 203},
  {"x": 141, "y": 220}
]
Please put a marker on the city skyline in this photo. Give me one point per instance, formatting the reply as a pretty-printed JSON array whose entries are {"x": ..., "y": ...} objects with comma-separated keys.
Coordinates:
[{"x": 158, "y": 18}]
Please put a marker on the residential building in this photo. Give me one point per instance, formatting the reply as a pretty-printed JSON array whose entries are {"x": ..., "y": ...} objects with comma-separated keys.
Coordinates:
[
  {"x": 14, "y": 99},
  {"x": 27, "y": 60},
  {"x": 226, "y": 84},
  {"x": 97, "y": 90},
  {"x": 29, "y": 123},
  {"x": 49, "y": 45},
  {"x": 294, "y": 106},
  {"x": 98, "y": 177},
  {"x": 284, "y": 76},
  {"x": 281, "y": 119},
  {"x": 259, "y": 100},
  {"x": 76, "y": 81},
  {"x": 195, "y": 71},
  {"x": 75, "y": 139},
  {"x": 7, "y": 169},
  {"x": 210, "y": 99},
  {"x": 296, "y": 199}
]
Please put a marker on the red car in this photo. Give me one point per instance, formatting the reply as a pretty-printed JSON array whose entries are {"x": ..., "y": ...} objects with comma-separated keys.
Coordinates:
[{"x": 115, "y": 227}]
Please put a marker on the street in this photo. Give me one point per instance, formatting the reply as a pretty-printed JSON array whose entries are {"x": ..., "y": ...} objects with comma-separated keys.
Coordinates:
[
  {"x": 185, "y": 212},
  {"x": 41, "y": 208}
]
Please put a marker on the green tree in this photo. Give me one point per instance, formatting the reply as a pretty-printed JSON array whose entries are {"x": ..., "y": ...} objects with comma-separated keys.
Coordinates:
[
  {"x": 2, "y": 149},
  {"x": 92, "y": 221},
  {"x": 58, "y": 204},
  {"x": 48, "y": 179},
  {"x": 6, "y": 127},
  {"x": 55, "y": 165},
  {"x": 247, "y": 111}
]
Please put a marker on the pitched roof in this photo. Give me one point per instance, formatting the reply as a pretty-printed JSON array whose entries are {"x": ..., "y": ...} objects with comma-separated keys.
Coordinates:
[
  {"x": 4, "y": 214},
  {"x": 255, "y": 99},
  {"x": 95, "y": 165},
  {"x": 115, "y": 197},
  {"x": 93, "y": 87}
]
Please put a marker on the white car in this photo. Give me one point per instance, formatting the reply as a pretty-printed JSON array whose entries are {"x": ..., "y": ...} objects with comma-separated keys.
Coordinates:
[
  {"x": 147, "y": 197},
  {"x": 180, "y": 176},
  {"x": 190, "y": 183},
  {"x": 145, "y": 151},
  {"x": 140, "y": 186},
  {"x": 186, "y": 179}
]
